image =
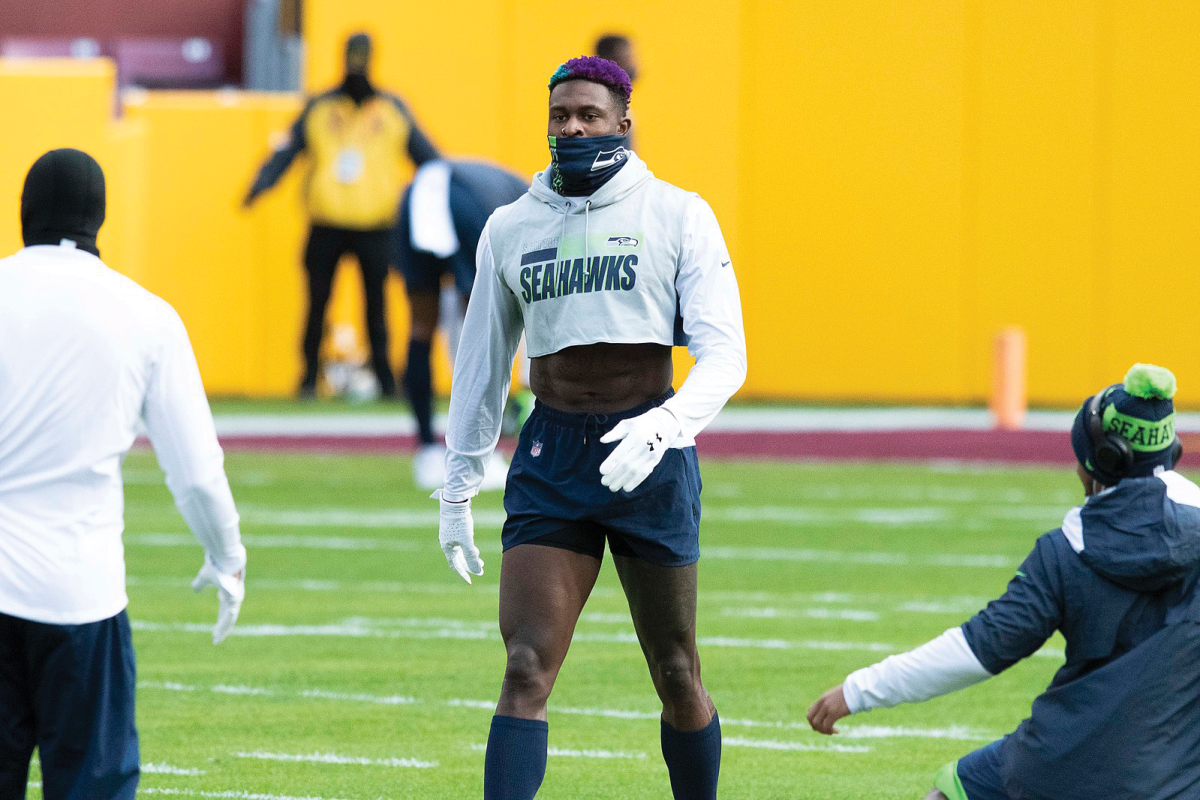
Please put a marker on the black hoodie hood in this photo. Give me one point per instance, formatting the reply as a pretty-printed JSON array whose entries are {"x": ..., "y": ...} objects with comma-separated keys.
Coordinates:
[
  {"x": 356, "y": 85},
  {"x": 1144, "y": 533},
  {"x": 64, "y": 198}
]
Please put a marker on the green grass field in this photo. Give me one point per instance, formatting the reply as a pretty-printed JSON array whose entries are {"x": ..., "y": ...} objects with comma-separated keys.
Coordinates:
[{"x": 356, "y": 641}]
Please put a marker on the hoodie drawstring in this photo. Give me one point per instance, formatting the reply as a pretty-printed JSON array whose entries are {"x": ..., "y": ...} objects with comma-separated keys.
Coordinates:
[
  {"x": 562, "y": 237},
  {"x": 587, "y": 262}
]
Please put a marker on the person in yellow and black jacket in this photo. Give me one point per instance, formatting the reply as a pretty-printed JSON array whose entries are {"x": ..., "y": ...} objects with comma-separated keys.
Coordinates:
[{"x": 354, "y": 136}]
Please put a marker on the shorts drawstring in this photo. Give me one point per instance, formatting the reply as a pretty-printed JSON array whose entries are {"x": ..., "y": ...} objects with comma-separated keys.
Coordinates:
[{"x": 596, "y": 420}]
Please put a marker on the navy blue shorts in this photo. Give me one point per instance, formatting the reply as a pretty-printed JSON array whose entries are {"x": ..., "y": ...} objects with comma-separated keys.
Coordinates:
[
  {"x": 69, "y": 691},
  {"x": 554, "y": 496}
]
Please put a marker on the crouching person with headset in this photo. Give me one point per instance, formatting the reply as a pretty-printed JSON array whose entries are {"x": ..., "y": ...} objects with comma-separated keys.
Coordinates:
[{"x": 1119, "y": 580}]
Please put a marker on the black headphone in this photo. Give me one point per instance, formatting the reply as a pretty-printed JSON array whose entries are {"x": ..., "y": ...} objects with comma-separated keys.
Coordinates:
[{"x": 1112, "y": 456}]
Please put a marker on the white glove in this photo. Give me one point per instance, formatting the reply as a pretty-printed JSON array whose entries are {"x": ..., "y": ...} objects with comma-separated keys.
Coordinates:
[
  {"x": 231, "y": 591},
  {"x": 644, "y": 440},
  {"x": 456, "y": 534}
]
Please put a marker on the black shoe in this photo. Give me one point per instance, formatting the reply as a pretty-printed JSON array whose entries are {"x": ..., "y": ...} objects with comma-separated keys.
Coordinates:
[{"x": 307, "y": 391}]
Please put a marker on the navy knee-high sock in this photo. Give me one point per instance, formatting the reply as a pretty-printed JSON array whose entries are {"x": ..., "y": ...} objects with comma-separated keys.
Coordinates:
[
  {"x": 418, "y": 383},
  {"x": 693, "y": 760},
  {"x": 516, "y": 758}
]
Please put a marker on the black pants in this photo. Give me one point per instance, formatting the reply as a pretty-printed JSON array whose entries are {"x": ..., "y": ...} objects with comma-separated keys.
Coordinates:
[
  {"x": 68, "y": 689},
  {"x": 325, "y": 248}
]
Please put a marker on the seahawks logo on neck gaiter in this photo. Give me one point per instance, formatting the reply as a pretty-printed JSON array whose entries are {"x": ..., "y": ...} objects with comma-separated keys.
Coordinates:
[{"x": 579, "y": 165}]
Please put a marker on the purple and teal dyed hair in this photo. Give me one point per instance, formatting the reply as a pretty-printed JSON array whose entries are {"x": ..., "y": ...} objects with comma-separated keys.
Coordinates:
[{"x": 597, "y": 70}]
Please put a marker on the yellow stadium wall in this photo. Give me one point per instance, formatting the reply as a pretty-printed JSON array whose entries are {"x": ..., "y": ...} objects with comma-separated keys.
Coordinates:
[
  {"x": 897, "y": 181},
  {"x": 49, "y": 104},
  {"x": 178, "y": 165}
]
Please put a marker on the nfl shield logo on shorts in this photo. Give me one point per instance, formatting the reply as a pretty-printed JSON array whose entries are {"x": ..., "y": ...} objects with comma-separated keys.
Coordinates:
[{"x": 536, "y": 449}]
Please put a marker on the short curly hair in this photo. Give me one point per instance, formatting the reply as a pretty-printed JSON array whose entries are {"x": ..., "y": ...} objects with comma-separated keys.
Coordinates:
[{"x": 597, "y": 70}]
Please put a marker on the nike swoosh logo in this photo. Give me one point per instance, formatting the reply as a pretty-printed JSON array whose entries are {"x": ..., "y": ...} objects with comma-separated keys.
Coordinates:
[{"x": 726, "y": 263}]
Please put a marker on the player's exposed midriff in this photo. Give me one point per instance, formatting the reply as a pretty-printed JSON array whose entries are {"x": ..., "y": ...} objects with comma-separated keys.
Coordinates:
[{"x": 601, "y": 378}]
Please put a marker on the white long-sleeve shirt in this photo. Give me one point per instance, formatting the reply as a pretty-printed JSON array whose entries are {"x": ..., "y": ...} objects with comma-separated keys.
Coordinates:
[
  {"x": 629, "y": 264},
  {"x": 940, "y": 666},
  {"x": 85, "y": 355}
]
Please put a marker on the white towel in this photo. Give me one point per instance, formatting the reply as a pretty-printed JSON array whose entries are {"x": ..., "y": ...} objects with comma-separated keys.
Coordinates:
[{"x": 430, "y": 221}]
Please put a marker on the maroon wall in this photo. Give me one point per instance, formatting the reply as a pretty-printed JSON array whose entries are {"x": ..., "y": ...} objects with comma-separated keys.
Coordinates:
[{"x": 219, "y": 20}]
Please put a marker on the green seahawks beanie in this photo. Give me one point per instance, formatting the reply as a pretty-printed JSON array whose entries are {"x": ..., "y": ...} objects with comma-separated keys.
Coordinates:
[{"x": 1140, "y": 411}]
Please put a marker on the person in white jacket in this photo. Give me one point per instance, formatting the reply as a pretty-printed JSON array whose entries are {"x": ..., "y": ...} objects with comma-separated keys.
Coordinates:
[
  {"x": 86, "y": 355},
  {"x": 604, "y": 268}
]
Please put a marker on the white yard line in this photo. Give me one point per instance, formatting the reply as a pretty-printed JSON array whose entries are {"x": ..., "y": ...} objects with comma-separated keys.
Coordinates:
[
  {"x": 564, "y": 752},
  {"x": 261, "y": 630},
  {"x": 849, "y": 490},
  {"x": 484, "y": 631},
  {"x": 793, "y": 516},
  {"x": 166, "y": 769},
  {"x": 949, "y": 605},
  {"x": 233, "y": 794},
  {"x": 843, "y": 614},
  {"x": 481, "y": 635},
  {"x": 364, "y": 631},
  {"x": 957, "y": 732},
  {"x": 609, "y": 713},
  {"x": 316, "y": 584},
  {"x": 170, "y": 686},
  {"x": 808, "y": 515},
  {"x": 789, "y": 644},
  {"x": 486, "y": 625},
  {"x": 745, "y": 596},
  {"x": 859, "y": 557},
  {"x": 724, "y": 553},
  {"x": 483, "y": 705},
  {"x": 249, "y": 690},
  {"x": 356, "y": 518},
  {"x": 281, "y": 541},
  {"x": 388, "y": 700},
  {"x": 334, "y": 758},
  {"x": 802, "y": 747},
  {"x": 965, "y": 605}
]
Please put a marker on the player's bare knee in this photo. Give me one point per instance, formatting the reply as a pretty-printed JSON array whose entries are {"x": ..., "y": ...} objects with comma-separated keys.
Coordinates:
[
  {"x": 676, "y": 675},
  {"x": 526, "y": 674}
]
